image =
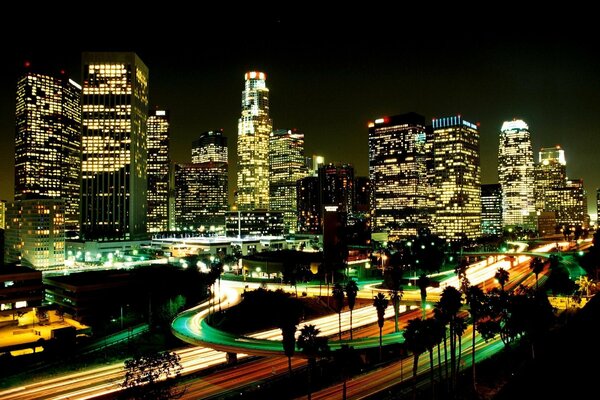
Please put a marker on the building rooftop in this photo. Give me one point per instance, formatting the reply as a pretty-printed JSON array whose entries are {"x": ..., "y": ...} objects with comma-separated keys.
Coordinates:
[{"x": 11, "y": 269}]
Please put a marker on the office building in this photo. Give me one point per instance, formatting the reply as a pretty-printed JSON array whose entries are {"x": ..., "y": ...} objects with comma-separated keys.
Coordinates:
[
  {"x": 211, "y": 146},
  {"x": 20, "y": 290},
  {"x": 516, "y": 174},
  {"x": 254, "y": 129},
  {"x": 35, "y": 233},
  {"x": 336, "y": 183},
  {"x": 491, "y": 209},
  {"x": 457, "y": 179},
  {"x": 114, "y": 181},
  {"x": 398, "y": 172},
  {"x": 158, "y": 165},
  {"x": 242, "y": 224},
  {"x": 313, "y": 163},
  {"x": 550, "y": 173},
  {"x": 570, "y": 204},
  {"x": 362, "y": 194},
  {"x": 2, "y": 213},
  {"x": 200, "y": 196},
  {"x": 309, "y": 211},
  {"x": 48, "y": 141},
  {"x": 286, "y": 166}
]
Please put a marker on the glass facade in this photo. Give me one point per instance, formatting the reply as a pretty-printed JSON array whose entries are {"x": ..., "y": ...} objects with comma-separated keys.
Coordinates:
[
  {"x": 158, "y": 171},
  {"x": 308, "y": 196},
  {"x": 200, "y": 195},
  {"x": 569, "y": 202},
  {"x": 457, "y": 178},
  {"x": 48, "y": 141},
  {"x": 114, "y": 181},
  {"x": 211, "y": 146},
  {"x": 516, "y": 174},
  {"x": 336, "y": 186},
  {"x": 287, "y": 166},
  {"x": 550, "y": 173},
  {"x": 398, "y": 172},
  {"x": 254, "y": 129},
  {"x": 491, "y": 209},
  {"x": 243, "y": 224}
]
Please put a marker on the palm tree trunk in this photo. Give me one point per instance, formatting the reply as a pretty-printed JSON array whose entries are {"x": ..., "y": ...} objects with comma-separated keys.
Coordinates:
[
  {"x": 473, "y": 359},
  {"x": 344, "y": 388},
  {"x": 458, "y": 339},
  {"x": 340, "y": 326},
  {"x": 536, "y": 282},
  {"x": 432, "y": 373},
  {"x": 452, "y": 356},
  {"x": 439, "y": 351},
  {"x": 396, "y": 311},
  {"x": 380, "y": 343},
  {"x": 290, "y": 365},
  {"x": 446, "y": 355},
  {"x": 414, "y": 380},
  {"x": 350, "y": 324},
  {"x": 309, "y": 396}
]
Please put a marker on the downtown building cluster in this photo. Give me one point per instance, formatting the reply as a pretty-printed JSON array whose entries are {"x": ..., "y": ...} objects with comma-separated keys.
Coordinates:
[{"x": 92, "y": 165}]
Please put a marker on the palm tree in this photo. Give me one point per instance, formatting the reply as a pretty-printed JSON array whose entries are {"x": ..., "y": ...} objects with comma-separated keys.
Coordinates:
[
  {"x": 423, "y": 283},
  {"x": 459, "y": 328},
  {"x": 312, "y": 346},
  {"x": 537, "y": 266},
  {"x": 502, "y": 276},
  {"x": 449, "y": 306},
  {"x": 414, "y": 340},
  {"x": 347, "y": 360},
  {"x": 396, "y": 297},
  {"x": 432, "y": 338},
  {"x": 476, "y": 301},
  {"x": 393, "y": 281},
  {"x": 287, "y": 317},
  {"x": 288, "y": 331},
  {"x": 380, "y": 303},
  {"x": 338, "y": 305},
  {"x": 351, "y": 293}
]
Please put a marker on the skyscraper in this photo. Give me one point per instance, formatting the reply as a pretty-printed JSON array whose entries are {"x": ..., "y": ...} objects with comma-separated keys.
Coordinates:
[
  {"x": 158, "y": 171},
  {"x": 287, "y": 166},
  {"x": 362, "y": 194},
  {"x": 200, "y": 195},
  {"x": 549, "y": 173},
  {"x": 254, "y": 129},
  {"x": 309, "y": 207},
  {"x": 570, "y": 203},
  {"x": 48, "y": 141},
  {"x": 211, "y": 146},
  {"x": 457, "y": 178},
  {"x": 515, "y": 170},
  {"x": 398, "y": 172},
  {"x": 115, "y": 110},
  {"x": 336, "y": 186},
  {"x": 491, "y": 209}
]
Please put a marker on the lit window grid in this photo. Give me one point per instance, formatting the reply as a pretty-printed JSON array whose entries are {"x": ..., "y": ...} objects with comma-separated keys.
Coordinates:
[
  {"x": 253, "y": 223},
  {"x": 457, "y": 182},
  {"x": 158, "y": 165}
]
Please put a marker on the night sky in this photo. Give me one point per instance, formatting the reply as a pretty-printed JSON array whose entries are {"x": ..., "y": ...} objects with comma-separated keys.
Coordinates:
[{"x": 329, "y": 76}]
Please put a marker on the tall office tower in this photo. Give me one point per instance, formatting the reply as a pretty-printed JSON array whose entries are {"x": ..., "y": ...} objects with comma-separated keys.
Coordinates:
[
  {"x": 362, "y": 194},
  {"x": 549, "y": 173},
  {"x": 211, "y": 146},
  {"x": 491, "y": 209},
  {"x": 254, "y": 129},
  {"x": 114, "y": 181},
  {"x": 515, "y": 170},
  {"x": 398, "y": 172},
  {"x": 313, "y": 163},
  {"x": 337, "y": 186},
  {"x": 597, "y": 205},
  {"x": 35, "y": 233},
  {"x": 48, "y": 141},
  {"x": 457, "y": 178},
  {"x": 200, "y": 195},
  {"x": 286, "y": 166},
  {"x": 570, "y": 204},
  {"x": 308, "y": 195},
  {"x": 2, "y": 213},
  {"x": 158, "y": 170}
]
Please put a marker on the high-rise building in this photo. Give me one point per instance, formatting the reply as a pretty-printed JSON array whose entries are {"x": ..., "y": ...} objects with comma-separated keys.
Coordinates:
[
  {"x": 398, "y": 172},
  {"x": 48, "y": 141},
  {"x": 597, "y": 206},
  {"x": 491, "y": 209},
  {"x": 569, "y": 202},
  {"x": 114, "y": 181},
  {"x": 550, "y": 173},
  {"x": 35, "y": 233},
  {"x": 337, "y": 186},
  {"x": 515, "y": 170},
  {"x": 313, "y": 163},
  {"x": 211, "y": 146},
  {"x": 362, "y": 194},
  {"x": 200, "y": 195},
  {"x": 158, "y": 170},
  {"x": 287, "y": 166},
  {"x": 308, "y": 195},
  {"x": 254, "y": 129},
  {"x": 2, "y": 213},
  {"x": 457, "y": 178},
  {"x": 242, "y": 224}
]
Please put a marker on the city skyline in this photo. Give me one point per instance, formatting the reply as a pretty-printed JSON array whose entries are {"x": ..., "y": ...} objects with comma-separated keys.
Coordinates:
[{"x": 334, "y": 87}]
